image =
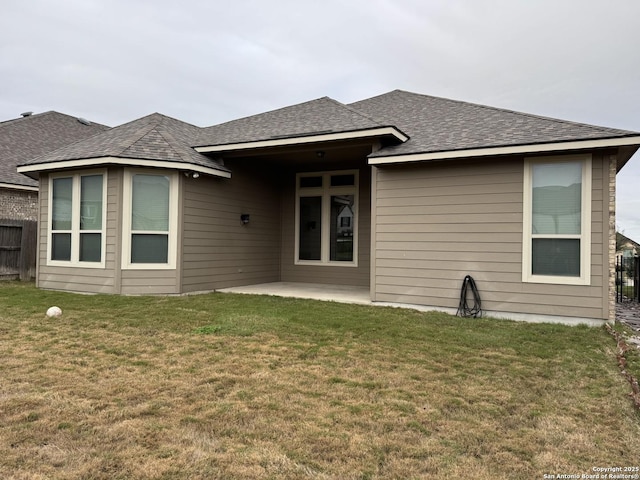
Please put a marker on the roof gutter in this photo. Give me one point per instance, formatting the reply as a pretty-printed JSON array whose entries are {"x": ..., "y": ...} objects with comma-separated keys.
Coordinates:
[
  {"x": 303, "y": 139},
  {"x": 15, "y": 186},
  {"x": 509, "y": 150},
  {"x": 128, "y": 162}
]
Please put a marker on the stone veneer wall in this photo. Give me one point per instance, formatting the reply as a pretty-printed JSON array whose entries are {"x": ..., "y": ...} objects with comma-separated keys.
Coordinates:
[
  {"x": 612, "y": 237},
  {"x": 18, "y": 204}
]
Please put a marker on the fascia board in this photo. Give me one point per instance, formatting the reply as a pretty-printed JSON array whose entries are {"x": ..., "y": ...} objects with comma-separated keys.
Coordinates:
[
  {"x": 129, "y": 162},
  {"x": 327, "y": 137},
  {"x": 510, "y": 150},
  {"x": 18, "y": 187}
]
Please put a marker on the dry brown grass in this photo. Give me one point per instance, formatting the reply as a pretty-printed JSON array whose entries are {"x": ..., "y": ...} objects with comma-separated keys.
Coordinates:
[{"x": 225, "y": 386}]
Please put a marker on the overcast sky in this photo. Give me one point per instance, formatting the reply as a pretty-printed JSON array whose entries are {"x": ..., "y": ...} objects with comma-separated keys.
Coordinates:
[{"x": 209, "y": 61}]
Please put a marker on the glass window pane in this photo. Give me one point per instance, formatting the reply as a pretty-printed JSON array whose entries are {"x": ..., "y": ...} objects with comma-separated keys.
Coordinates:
[
  {"x": 91, "y": 202},
  {"x": 557, "y": 198},
  {"x": 342, "y": 217},
  {"x": 61, "y": 208},
  {"x": 149, "y": 248},
  {"x": 310, "y": 182},
  {"x": 150, "y": 203},
  {"x": 90, "y": 247},
  {"x": 310, "y": 246},
  {"x": 343, "y": 180},
  {"x": 61, "y": 246},
  {"x": 551, "y": 256}
]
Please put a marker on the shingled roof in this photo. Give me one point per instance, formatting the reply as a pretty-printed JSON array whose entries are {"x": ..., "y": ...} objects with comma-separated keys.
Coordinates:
[
  {"x": 24, "y": 138},
  {"x": 414, "y": 127},
  {"x": 156, "y": 138},
  {"x": 439, "y": 124},
  {"x": 315, "y": 117}
]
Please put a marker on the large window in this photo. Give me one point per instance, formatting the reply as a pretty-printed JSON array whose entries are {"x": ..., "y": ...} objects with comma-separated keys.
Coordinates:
[
  {"x": 557, "y": 220},
  {"x": 326, "y": 220},
  {"x": 150, "y": 220},
  {"x": 76, "y": 212}
]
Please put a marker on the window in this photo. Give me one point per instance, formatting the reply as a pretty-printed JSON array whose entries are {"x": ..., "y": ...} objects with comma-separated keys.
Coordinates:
[
  {"x": 557, "y": 220},
  {"x": 150, "y": 216},
  {"x": 326, "y": 206},
  {"x": 76, "y": 211}
]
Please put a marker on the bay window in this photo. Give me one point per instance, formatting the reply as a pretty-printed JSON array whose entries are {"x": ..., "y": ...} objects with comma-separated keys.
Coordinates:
[
  {"x": 150, "y": 220},
  {"x": 77, "y": 210}
]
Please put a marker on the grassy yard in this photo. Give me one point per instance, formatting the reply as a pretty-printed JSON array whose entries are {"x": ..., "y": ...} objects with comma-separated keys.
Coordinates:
[{"x": 237, "y": 386}]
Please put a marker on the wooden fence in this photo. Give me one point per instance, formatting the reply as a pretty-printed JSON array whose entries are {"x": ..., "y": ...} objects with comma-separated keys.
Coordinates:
[{"x": 18, "y": 244}]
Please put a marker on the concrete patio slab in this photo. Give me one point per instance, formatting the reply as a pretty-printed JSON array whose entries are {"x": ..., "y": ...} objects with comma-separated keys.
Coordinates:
[{"x": 315, "y": 291}]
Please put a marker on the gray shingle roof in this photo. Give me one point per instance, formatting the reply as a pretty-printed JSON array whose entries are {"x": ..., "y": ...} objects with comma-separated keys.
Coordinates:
[
  {"x": 438, "y": 124},
  {"x": 22, "y": 139},
  {"x": 154, "y": 137},
  {"x": 433, "y": 125},
  {"x": 323, "y": 115}
]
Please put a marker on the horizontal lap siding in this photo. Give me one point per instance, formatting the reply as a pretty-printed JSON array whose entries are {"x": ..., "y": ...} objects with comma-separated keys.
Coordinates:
[
  {"x": 218, "y": 251},
  {"x": 90, "y": 280},
  {"x": 327, "y": 274},
  {"x": 437, "y": 223}
]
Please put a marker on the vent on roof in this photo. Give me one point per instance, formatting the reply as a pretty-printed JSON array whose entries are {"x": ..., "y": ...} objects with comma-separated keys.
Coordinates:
[
  {"x": 84, "y": 121},
  {"x": 26, "y": 114}
]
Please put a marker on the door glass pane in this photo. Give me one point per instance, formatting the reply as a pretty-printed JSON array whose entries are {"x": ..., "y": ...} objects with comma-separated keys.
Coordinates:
[
  {"x": 91, "y": 202},
  {"x": 61, "y": 246},
  {"x": 342, "y": 220},
  {"x": 149, "y": 248},
  {"x": 551, "y": 256},
  {"x": 61, "y": 207},
  {"x": 557, "y": 198},
  {"x": 90, "y": 247},
  {"x": 150, "y": 203},
  {"x": 310, "y": 246}
]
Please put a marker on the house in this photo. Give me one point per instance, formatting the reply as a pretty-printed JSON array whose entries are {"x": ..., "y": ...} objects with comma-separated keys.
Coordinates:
[
  {"x": 22, "y": 139},
  {"x": 27, "y": 137},
  {"x": 438, "y": 189},
  {"x": 625, "y": 246}
]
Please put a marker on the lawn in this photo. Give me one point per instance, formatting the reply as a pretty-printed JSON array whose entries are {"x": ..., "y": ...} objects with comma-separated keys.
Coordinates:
[{"x": 239, "y": 386}]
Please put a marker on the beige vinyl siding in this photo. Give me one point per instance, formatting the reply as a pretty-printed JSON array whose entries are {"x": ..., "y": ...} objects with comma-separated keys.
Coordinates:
[
  {"x": 218, "y": 251},
  {"x": 90, "y": 280},
  {"x": 328, "y": 274},
  {"x": 436, "y": 223}
]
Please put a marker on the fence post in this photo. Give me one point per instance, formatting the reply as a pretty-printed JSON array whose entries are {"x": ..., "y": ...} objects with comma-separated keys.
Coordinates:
[{"x": 28, "y": 250}]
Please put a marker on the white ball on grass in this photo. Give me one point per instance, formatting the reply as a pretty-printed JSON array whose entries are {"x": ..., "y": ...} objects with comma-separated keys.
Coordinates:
[{"x": 54, "y": 312}]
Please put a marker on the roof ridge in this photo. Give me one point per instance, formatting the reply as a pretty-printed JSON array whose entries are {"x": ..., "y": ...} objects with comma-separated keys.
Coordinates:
[
  {"x": 172, "y": 141},
  {"x": 48, "y": 112},
  {"x": 265, "y": 113},
  {"x": 356, "y": 111}
]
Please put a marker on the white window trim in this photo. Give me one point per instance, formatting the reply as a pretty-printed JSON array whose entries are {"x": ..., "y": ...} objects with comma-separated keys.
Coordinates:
[
  {"x": 127, "y": 192},
  {"x": 584, "y": 236},
  {"x": 326, "y": 191},
  {"x": 75, "y": 221}
]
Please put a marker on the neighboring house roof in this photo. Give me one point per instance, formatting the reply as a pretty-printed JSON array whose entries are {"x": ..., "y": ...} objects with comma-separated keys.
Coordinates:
[
  {"x": 156, "y": 138},
  {"x": 410, "y": 127},
  {"x": 24, "y": 138},
  {"x": 624, "y": 241}
]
